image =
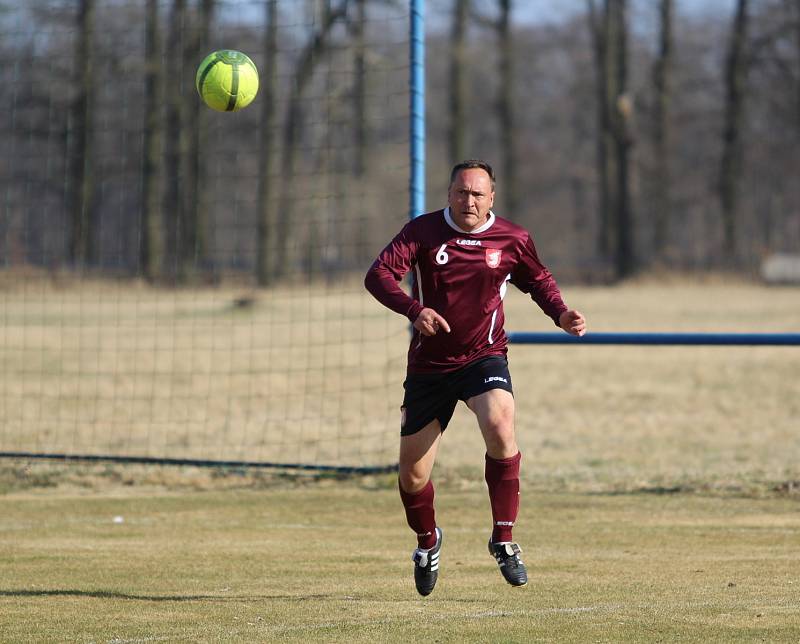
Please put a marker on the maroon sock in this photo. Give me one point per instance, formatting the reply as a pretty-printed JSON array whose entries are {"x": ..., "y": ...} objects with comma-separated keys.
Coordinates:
[
  {"x": 420, "y": 514},
  {"x": 502, "y": 478}
]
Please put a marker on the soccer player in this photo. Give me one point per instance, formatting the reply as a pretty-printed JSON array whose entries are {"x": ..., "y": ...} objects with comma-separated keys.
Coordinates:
[{"x": 462, "y": 258}]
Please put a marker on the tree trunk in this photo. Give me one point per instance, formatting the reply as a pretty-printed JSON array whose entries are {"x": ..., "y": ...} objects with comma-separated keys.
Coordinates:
[
  {"x": 186, "y": 163},
  {"x": 151, "y": 251},
  {"x": 662, "y": 74},
  {"x": 610, "y": 78},
  {"x": 266, "y": 184},
  {"x": 599, "y": 28},
  {"x": 311, "y": 55},
  {"x": 458, "y": 81},
  {"x": 505, "y": 108},
  {"x": 615, "y": 235},
  {"x": 360, "y": 91},
  {"x": 622, "y": 107},
  {"x": 797, "y": 46},
  {"x": 175, "y": 124},
  {"x": 731, "y": 164},
  {"x": 82, "y": 250},
  {"x": 199, "y": 189},
  {"x": 194, "y": 197}
]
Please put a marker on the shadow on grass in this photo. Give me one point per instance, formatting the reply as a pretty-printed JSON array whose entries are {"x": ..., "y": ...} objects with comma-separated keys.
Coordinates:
[
  {"x": 109, "y": 594},
  {"x": 755, "y": 490},
  {"x": 657, "y": 490}
]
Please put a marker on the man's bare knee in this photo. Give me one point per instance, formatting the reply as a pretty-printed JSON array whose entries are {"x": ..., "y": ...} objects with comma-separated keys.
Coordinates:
[
  {"x": 412, "y": 481},
  {"x": 500, "y": 438},
  {"x": 417, "y": 456}
]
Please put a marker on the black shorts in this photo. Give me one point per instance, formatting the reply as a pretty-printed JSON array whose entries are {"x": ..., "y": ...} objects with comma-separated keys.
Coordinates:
[{"x": 432, "y": 396}]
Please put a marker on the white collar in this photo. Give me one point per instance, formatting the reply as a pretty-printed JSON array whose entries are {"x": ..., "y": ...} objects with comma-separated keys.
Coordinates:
[{"x": 455, "y": 226}]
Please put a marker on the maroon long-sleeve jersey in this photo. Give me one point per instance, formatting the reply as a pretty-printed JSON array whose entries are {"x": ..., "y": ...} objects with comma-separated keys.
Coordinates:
[{"x": 463, "y": 277}]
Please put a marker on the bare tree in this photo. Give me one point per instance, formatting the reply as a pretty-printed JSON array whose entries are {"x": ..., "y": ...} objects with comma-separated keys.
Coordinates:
[
  {"x": 175, "y": 126},
  {"x": 187, "y": 138},
  {"x": 266, "y": 184},
  {"x": 615, "y": 139},
  {"x": 599, "y": 28},
  {"x": 151, "y": 249},
  {"x": 196, "y": 198},
  {"x": 797, "y": 51},
  {"x": 622, "y": 131},
  {"x": 731, "y": 163},
  {"x": 662, "y": 75},
  {"x": 458, "y": 80},
  {"x": 311, "y": 55},
  {"x": 360, "y": 89},
  {"x": 505, "y": 106},
  {"x": 193, "y": 247},
  {"x": 82, "y": 249}
]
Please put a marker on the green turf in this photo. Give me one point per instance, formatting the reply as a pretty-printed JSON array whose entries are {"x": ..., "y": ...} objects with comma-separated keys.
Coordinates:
[{"x": 330, "y": 562}]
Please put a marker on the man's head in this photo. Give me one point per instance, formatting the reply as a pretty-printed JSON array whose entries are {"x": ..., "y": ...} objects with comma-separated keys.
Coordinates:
[{"x": 471, "y": 193}]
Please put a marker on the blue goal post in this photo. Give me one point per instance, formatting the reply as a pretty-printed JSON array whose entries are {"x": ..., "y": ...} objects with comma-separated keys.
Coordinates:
[{"x": 684, "y": 339}]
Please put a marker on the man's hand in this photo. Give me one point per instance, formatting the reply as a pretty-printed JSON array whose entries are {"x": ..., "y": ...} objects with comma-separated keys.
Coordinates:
[
  {"x": 572, "y": 322},
  {"x": 429, "y": 322}
]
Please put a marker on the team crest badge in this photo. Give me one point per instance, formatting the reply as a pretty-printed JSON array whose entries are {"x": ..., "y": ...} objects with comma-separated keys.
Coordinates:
[{"x": 493, "y": 257}]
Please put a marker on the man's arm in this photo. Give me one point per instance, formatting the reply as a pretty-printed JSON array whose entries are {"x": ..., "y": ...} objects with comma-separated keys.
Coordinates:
[
  {"x": 532, "y": 277},
  {"x": 383, "y": 277}
]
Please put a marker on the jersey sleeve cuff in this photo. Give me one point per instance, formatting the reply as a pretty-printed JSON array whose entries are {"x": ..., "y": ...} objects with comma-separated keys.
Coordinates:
[
  {"x": 557, "y": 316},
  {"x": 413, "y": 311}
]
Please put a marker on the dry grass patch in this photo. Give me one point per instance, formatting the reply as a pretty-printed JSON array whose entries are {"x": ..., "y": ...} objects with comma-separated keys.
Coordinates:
[
  {"x": 313, "y": 375},
  {"x": 289, "y": 565}
]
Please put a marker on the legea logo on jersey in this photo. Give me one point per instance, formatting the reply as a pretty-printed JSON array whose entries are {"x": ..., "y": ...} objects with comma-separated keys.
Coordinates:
[
  {"x": 468, "y": 242},
  {"x": 493, "y": 256}
]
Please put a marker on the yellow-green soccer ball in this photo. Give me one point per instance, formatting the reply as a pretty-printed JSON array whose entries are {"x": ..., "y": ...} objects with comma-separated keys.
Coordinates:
[{"x": 227, "y": 80}]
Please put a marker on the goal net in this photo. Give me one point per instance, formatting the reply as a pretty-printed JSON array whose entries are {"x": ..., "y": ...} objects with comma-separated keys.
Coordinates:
[{"x": 183, "y": 284}]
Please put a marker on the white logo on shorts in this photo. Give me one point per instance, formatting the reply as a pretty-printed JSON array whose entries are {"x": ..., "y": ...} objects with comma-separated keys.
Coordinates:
[{"x": 494, "y": 379}]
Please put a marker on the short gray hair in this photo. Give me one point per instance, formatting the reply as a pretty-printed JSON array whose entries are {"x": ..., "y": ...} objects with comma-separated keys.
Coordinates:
[{"x": 468, "y": 165}]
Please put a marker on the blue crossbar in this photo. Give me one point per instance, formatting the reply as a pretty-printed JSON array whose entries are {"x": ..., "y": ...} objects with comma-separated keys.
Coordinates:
[{"x": 719, "y": 339}]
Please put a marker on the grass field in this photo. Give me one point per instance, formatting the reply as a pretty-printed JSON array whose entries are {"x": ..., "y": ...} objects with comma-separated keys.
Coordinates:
[
  {"x": 331, "y": 563},
  {"x": 660, "y": 484}
]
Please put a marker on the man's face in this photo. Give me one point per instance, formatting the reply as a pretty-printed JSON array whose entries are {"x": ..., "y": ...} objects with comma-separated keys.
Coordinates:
[{"x": 470, "y": 197}]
